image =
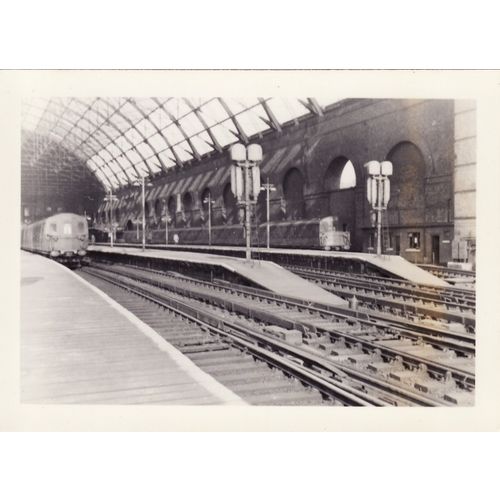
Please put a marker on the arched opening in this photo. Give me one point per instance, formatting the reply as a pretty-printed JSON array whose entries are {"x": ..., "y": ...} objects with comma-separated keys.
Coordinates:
[
  {"x": 129, "y": 226},
  {"x": 406, "y": 208},
  {"x": 293, "y": 190},
  {"x": 205, "y": 199},
  {"x": 158, "y": 208},
  {"x": 171, "y": 210},
  {"x": 187, "y": 208},
  {"x": 407, "y": 181},
  {"x": 229, "y": 208},
  {"x": 157, "y": 212},
  {"x": 116, "y": 216},
  {"x": 339, "y": 183},
  {"x": 340, "y": 175}
]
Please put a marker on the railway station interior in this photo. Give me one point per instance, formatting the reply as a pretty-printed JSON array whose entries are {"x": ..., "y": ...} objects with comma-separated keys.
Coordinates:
[
  {"x": 224, "y": 200},
  {"x": 76, "y": 152}
]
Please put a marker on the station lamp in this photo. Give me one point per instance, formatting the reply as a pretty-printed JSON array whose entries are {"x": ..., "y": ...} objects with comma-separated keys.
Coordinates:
[
  {"x": 267, "y": 187},
  {"x": 142, "y": 183},
  {"x": 110, "y": 197},
  {"x": 245, "y": 180},
  {"x": 378, "y": 192},
  {"x": 208, "y": 200}
]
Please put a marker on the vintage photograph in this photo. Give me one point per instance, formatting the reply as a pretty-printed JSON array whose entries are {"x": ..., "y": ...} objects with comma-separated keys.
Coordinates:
[{"x": 315, "y": 250}]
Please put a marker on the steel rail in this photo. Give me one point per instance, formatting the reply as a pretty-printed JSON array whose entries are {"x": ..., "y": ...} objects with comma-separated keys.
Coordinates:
[
  {"x": 448, "y": 296},
  {"x": 330, "y": 387},
  {"x": 367, "y": 296},
  {"x": 441, "y": 338},
  {"x": 440, "y": 369}
]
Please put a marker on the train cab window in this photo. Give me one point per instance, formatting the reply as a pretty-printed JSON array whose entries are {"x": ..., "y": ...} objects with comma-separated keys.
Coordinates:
[
  {"x": 67, "y": 228},
  {"x": 81, "y": 227},
  {"x": 414, "y": 241},
  {"x": 53, "y": 227}
]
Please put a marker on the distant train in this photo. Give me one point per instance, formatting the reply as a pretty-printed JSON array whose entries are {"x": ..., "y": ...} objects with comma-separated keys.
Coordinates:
[
  {"x": 63, "y": 237},
  {"x": 314, "y": 234}
]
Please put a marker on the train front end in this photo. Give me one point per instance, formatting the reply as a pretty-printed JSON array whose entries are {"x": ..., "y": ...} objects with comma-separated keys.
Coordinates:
[
  {"x": 330, "y": 238},
  {"x": 67, "y": 235}
]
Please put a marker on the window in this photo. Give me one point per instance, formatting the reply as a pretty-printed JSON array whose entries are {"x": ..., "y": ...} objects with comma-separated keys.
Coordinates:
[
  {"x": 67, "y": 228},
  {"x": 53, "y": 227},
  {"x": 414, "y": 241},
  {"x": 81, "y": 227}
]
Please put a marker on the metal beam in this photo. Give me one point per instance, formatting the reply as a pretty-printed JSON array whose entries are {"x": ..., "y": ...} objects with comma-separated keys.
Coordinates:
[
  {"x": 145, "y": 116},
  {"x": 312, "y": 105},
  {"x": 61, "y": 142},
  {"x": 198, "y": 114},
  {"x": 273, "y": 121},
  {"x": 179, "y": 126},
  {"x": 241, "y": 133},
  {"x": 112, "y": 125},
  {"x": 85, "y": 140}
]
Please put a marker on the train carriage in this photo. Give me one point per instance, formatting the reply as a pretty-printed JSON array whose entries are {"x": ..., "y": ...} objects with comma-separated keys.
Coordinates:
[
  {"x": 313, "y": 234},
  {"x": 62, "y": 237}
]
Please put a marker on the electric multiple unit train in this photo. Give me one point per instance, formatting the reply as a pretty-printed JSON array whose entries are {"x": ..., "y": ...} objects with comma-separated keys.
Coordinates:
[{"x": 63, "y": 237}]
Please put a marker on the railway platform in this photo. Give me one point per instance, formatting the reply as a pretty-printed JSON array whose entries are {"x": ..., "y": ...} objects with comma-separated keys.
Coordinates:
[
  {"x": 264, "y": 274},
  {"x": 393, "y": 266},
  {"x": 80, "y": 346}
]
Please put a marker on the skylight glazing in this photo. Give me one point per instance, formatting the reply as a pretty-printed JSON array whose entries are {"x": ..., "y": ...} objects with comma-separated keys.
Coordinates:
[{"x": 121, "y": 139}]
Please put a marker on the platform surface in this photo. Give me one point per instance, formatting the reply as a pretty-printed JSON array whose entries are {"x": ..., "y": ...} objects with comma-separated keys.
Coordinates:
[
  {"x": 396, "y": 265},
  {"x": 79, "y": 346},
  {"x": 400, "y": 267},
  {"x": 266, "y": 274}
]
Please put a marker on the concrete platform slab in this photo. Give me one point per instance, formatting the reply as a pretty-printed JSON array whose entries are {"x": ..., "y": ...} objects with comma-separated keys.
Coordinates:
[
  {"x": 80, "y": 346},
  {"x": 265, "y": 274}
]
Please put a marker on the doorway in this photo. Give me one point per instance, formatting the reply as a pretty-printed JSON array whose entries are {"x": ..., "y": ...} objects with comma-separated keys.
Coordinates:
[
  {"x": 435, "y": 249},
  {"x": 397, "y": 244}
]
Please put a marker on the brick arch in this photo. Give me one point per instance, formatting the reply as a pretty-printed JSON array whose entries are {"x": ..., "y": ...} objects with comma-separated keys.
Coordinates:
[
  {"x": 229, "y": 205},
  {"x": 204, "y": 198},
  {"x": 171, "y": 209},
  {"x": 293, "y": 193},
  {"x": 335, "y": 171},
  {"x": 339, "y": 198},
  {"x": 188, "y": 205},
  {"x": 408, "y": 179},
  {"x": 158, "y": 209}
]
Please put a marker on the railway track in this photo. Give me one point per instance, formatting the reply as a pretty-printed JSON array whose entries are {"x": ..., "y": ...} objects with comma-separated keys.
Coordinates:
[
  {"x": 450, "y": 294},
  {"x": 260, "y": 376},
  {"x": 456, "y": 276},
  {"x": 450, "y": 307},
  {"x": 391, "y": 366}
]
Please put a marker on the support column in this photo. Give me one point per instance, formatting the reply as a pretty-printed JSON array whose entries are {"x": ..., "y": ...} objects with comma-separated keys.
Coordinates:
[{"x": 464, "y": 182}]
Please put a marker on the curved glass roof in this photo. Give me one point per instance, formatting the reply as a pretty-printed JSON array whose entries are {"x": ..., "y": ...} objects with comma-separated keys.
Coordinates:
[{"x": 123, "y": 139}]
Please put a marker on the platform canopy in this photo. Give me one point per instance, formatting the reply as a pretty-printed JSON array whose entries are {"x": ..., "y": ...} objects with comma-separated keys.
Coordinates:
[{"x": 123, "y": 139}]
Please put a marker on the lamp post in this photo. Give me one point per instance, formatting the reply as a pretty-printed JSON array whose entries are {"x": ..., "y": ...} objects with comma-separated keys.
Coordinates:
[
  {"x": 267, "y": 188},
  {"x": 166, "y": 225},
  {"x": 111, "y": 197},
  {"x": 142, "y": 183},
  {"x": 208, "y": 200},
  {"x": 247, "y": 159},
  {"x": 378, "y": 192}
]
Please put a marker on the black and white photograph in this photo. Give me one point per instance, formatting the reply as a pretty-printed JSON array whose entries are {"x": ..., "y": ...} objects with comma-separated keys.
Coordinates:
[{"x": 284, "y": 251}]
